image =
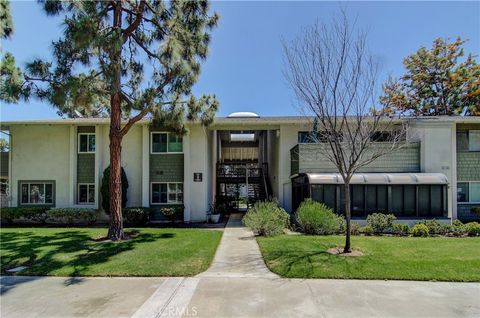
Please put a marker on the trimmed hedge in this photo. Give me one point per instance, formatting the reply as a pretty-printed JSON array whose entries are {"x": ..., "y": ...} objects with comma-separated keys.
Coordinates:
[
  {"x": 380, "y": 222},
  {"x": 72, "y": 216},
  {"x": 21, "y": 214},
  {"x": 420, "y": 230},
  {"x": 136, "y": 216}
]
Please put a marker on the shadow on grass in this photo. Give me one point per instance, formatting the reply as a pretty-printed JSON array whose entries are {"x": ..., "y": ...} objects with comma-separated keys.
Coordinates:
[{"x": 46, "y": 254}]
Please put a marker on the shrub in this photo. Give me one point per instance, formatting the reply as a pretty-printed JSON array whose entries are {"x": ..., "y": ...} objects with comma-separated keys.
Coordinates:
[
  {"x": 354, "y": 228},
  {"x": 136, "y": 216},
  {"x": 316, "y": 218},
  {"x": 172, "y": 211},
  {"x": 105, "y": 190},
  {"x": 381, "y": 223},
  {"x": 434, "y": 227},
  {"x": 420, "y": 230},
  {"x": 473, "y": 228},
  {"x": 266, "y": 218},
  {"x": 401, "y": 229},
  {"x": 366, "y": 230},
  {"x": 34, "y": 214},
  {"x": 458, "y": 228},
  {"x": 71, "y": 216}
]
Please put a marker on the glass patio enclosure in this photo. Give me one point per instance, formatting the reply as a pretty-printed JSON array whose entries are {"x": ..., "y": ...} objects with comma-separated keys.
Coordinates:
[{"x": 406, "y": 195}]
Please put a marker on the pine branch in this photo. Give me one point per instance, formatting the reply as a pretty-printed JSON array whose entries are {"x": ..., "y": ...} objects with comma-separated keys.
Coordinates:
[{"x": 132, "y": 27}]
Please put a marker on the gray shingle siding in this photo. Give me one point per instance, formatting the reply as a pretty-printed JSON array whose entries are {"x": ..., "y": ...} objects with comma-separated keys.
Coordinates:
[
  {"x": 468, "y": 164},
  {"x": 311, "y": 160},
  {"x": 166, "y": 168},
  {"x": 85, "y": 168}
]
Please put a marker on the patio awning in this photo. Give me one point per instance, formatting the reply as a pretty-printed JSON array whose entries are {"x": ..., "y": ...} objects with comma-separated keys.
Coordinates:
[{"x": 379, "y": 178}]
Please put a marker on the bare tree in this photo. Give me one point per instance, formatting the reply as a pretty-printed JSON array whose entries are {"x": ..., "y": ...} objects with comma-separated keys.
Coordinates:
[{"x": 334, "y": 79}]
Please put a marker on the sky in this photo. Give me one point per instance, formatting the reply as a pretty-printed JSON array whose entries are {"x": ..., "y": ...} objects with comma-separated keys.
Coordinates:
[{"x": 244, "y": 68}]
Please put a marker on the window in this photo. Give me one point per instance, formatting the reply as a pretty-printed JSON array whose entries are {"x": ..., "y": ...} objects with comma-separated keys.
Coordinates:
[
  {"x": 468, "y": 192},
  {"x": 86, "y": 193},
  {"x": 163, "y": 193},
  {"x": 468, "y": 140},
  {"x": 86, "y": 143},
  {"x": 382, "y": 136},
  {"x": 305, "y": 137},
  {"x": 163, "y": 142},
  {"x": 36, "y": 192}
]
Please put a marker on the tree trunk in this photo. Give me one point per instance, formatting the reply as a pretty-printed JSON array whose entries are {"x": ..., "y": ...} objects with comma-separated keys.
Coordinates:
[
  {"x": 347, "y": 248},
  {"x": 115, "y": 231}
]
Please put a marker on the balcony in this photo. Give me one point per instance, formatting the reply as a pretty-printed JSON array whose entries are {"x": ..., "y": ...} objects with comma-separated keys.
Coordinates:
[{"x": 310, "y": 158}]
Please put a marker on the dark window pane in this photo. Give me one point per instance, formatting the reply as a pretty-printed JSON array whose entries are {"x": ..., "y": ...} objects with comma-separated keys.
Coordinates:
[
  {"x": 37, "y": 193},
  {"x": 358, "y": 200},
  {"x": 83, "y": 143},
  {"x": 409, "y": 200},
  {"x": 423, "y": 200},
  {"x": 175, "y": 143},
  {"x": 371, "y": 198},
  {"x": 462, "y": 192},
  {"x": 91, "y": 143},
  {"x": 49, "y": 193},
  {"x": 156, "y": 193},
  {"x": 341, "y": 203},
  {"x": 163, "y": 193},
  {"x": 91, "y": 194},
  {"x": 382, "y": 198},
  {"x": 159, "y": 142},
  {"x": 25, "y": 193},
  {"x": 397, "y": 200},
  {"x": 436, "y": 200},
  {"x": 317, "y": 192},
  {"x": 329, "y": 196},
  {"x": 83, "y": 193}
]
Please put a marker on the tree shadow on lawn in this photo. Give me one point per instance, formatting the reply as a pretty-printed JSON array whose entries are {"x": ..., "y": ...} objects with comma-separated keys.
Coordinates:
[
  {"x": 303, "y": 263},
  {"x": 45, "y": 254}
]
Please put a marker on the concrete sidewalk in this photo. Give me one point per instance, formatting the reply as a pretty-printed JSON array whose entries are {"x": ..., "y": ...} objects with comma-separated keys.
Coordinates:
[{"x": 238, "y": 254}]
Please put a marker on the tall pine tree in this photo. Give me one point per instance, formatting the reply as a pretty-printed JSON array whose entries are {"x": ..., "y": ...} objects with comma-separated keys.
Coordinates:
[{"x": 125, "y": 60}]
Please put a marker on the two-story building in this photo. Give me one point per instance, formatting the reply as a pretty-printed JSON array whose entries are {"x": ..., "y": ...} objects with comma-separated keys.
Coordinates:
[{"x": 436, "y": 174}]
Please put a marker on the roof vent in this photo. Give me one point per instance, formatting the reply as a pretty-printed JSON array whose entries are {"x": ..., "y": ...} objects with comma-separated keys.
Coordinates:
[{"x": 243, "y": 115}]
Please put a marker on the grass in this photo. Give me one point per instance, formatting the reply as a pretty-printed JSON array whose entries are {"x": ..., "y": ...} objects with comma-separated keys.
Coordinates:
[
  {"x": 79, "y": 252},
  {"x": 403, "y": 258}
]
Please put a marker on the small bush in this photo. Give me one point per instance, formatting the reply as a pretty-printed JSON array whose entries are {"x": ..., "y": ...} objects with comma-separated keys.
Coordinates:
[
  {"x": 458, "y": 228},
  {"x": 316, "y": 218},
  {"x": 381, "y": 223},
  {"x": 366, "y": 230},
  {"x": 401, "y": 229},
  {"x": 420, "y": 230},
  {"x": 266, "y": 218},
  {"x": 473, "y": 228},
  {"x": 71, "y": 216},
  {"x": 434, "y": 227},
  {"x": 172, "y": 211},
  {"x": 354, "y": 228},
  {"x": 136, "y": 216},
  {"x": 32, "y": 214}
]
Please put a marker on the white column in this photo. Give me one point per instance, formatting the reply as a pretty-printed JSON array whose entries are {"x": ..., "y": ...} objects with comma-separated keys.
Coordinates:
[
  {"x": 187, "y": 175},
  {"x": 72, "y": 181},
  {"x": 12, "y": 189},
  {"x": 145, "y": 166},
  {"x": 214, "y": 166}
]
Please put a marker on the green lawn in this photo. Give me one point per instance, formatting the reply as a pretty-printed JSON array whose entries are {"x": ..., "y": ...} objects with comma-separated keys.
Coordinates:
[
  {"x": 79, "y": 252},
  {"x": 438, "y": 258}
]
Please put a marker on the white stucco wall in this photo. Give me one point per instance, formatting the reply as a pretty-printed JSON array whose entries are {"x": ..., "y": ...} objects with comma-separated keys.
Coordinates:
[
  {"x": 438, "y": 154},
  {"x": 41, "y": 153},
  {"x": 196, "y": 160}
]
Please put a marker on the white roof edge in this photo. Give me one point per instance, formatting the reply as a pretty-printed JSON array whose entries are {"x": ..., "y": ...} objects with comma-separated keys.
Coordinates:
[{"x": 379, "y": 178}]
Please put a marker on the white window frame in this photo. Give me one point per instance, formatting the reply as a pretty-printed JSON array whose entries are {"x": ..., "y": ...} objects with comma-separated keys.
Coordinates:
[
  {"x": 29, "y": 183},
  {"x": 168, "y": 192},
  {"x": 168, "y": 142},
  {"x": 88, "y": 186},
  {"x": 88, "y": 142},
  {"x": 469, "y": 187}
]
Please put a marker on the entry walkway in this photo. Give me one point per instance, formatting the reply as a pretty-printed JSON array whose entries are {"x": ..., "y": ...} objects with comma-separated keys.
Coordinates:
[{"x": 238, "y": 255}]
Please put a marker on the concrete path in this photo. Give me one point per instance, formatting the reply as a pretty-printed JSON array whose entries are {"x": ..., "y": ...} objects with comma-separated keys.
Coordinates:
[{"x": 238, "y": 254}]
